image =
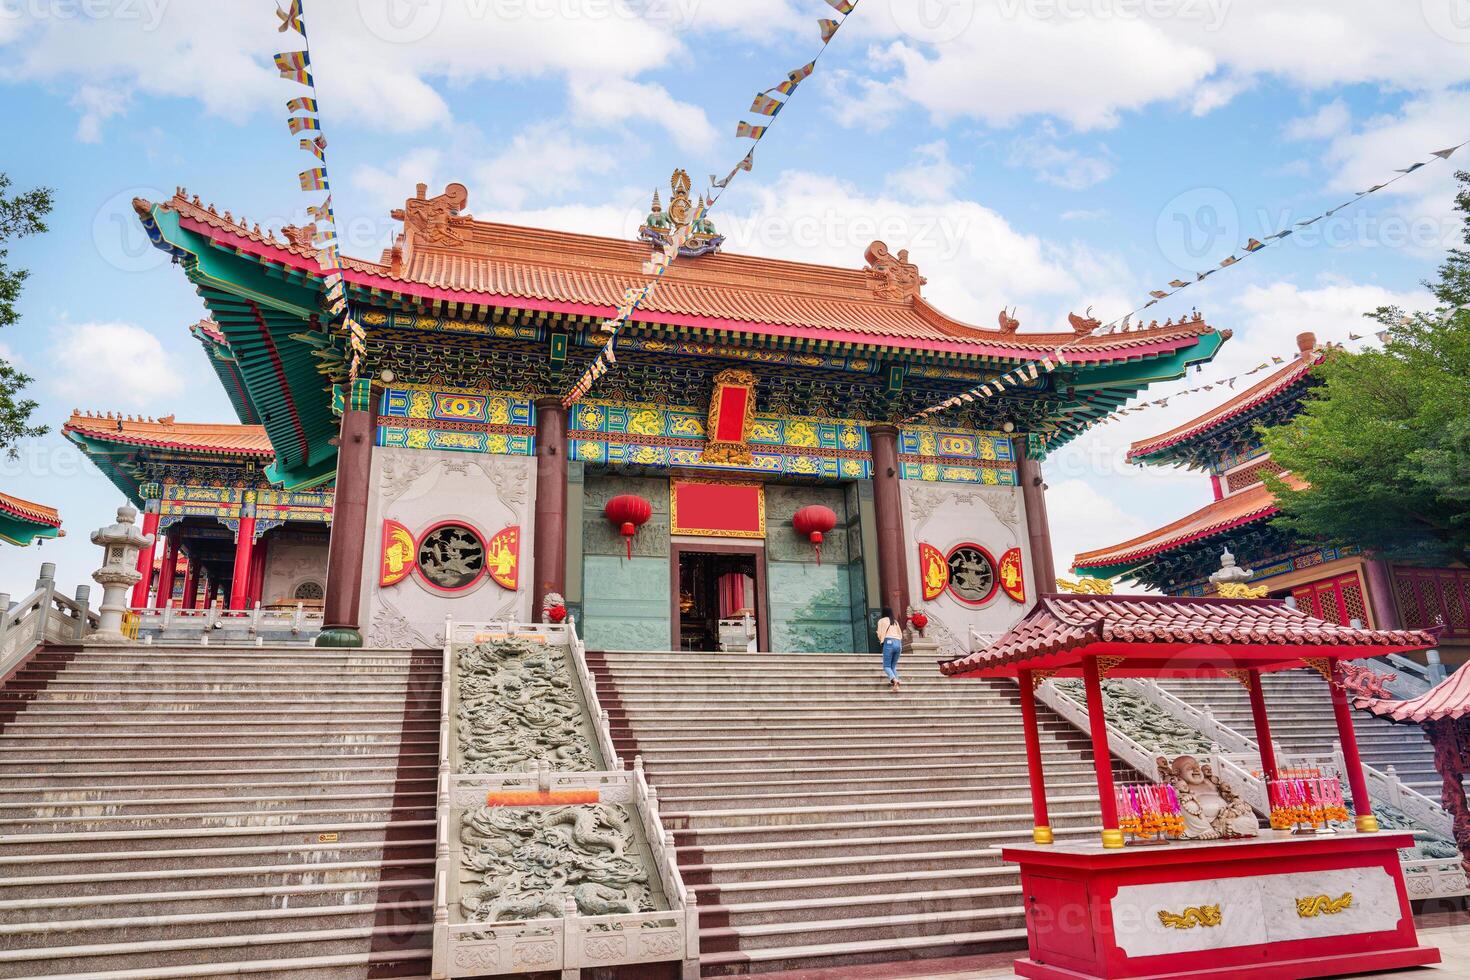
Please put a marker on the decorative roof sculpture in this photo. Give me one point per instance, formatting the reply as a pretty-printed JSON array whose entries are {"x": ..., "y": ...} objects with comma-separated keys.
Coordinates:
[
  {"x": 704, "y": 240},
  {"x": 892, "y": 277}
]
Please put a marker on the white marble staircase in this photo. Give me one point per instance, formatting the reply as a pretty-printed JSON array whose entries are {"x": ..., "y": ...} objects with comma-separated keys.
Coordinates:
[
  {"x": 201, "y": 812},
  {"x": 824, "y": 821}
]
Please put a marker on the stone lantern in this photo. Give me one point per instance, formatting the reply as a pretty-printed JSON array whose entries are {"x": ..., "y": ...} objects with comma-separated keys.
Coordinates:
[{"x": 121, "y": 543}]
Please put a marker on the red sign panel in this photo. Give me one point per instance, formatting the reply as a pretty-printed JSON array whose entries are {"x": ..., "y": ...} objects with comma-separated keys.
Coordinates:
[
  {"x": 1012, "y": 579},
  {"x": 731, "y": 424},
  {"x": 722, "y": 510}
]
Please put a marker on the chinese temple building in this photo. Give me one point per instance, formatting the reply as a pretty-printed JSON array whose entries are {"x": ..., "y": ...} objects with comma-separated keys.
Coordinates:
[
  {"x": 1336, "y": 583},
  {"x": 223, "y": 531},
  {"x": 22, "y": 522},
  {"x": 746, "y": 457}
]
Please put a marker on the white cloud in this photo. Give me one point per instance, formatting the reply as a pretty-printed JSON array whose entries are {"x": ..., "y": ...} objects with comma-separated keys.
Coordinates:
[
  {"x": 861, "y": 101},
  {"x": 98, "y": 104},
  {"x": 138, "y": 372},
  {"x": 1327, "y": 122},
  {"x": 611, "y": 101},
  {"x": 932, "y": 177},
  {"x": 541, "y": 160},
  {"x": 1051, "y": 163},
  {"x": 1082, "y": 518}
]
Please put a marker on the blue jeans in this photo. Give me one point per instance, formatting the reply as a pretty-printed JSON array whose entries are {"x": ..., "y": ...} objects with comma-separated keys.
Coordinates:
[{"x": 891, "y": 649}]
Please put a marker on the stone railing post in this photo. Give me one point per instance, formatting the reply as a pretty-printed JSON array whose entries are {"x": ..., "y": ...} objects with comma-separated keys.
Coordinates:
[
  {"x": 83, "y": 598},
  {"x": 46, "y": 586},
  {"x": 4, "y": 615}
]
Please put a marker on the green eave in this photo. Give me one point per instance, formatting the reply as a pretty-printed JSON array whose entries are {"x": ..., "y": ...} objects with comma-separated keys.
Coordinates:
[
  {"x": 111, "y": 459},
  {"x": 258, "y": 305},
  {"x": 228, "y": 370},
  {"x": 19, "y": 531}
]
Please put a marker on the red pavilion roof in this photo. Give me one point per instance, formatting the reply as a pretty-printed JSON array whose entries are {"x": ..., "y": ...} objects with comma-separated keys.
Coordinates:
[
  {"x": 1450, "y": 698},
  {"x": 1162, "y": 634}
]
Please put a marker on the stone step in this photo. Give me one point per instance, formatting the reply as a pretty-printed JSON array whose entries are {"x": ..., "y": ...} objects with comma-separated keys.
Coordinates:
[
  {"x": 777, "y": 833},
  {"x": 44, "y": 744},
  {"x": 820, "y": 909},
  {"x": 662, "y": 774},
  {"x": 209, "y": 852},
  {"x": 76, "y": 907},
  {"x": 897, "y": 926},
  {"x": 281, "y": 771},
  {"x": 207, "y": 808},
  {"x": 349, "y": 966},
  {"x": 150, "y": 703},
  {"x": 119, "y": 885},
  {"x": 730, "y": 872},
  {"x": 979, "y": 795},
  {"x": 36, "y": 936},
  {"x": 797, "y": 815},
  {"x": 180, "y": 820},
  {"x": 15, "y": 792},
  {"x": 669, "y": 761},
  {"x": 860, "y": 952},
  {"x": 82, "y": 758},
  {"x": 707, "y": 855},
  {"x": 865, "y": 883},
  {"x": 218, "y": 949},
  {"x": 233, "y": 830}
]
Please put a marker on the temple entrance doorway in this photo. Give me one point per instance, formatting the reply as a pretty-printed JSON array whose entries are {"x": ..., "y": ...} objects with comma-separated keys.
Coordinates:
[{"x": 719, "y": 598}]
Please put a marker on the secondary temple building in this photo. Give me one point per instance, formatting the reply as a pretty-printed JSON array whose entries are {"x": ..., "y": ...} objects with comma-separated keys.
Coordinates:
[
  {"x": 1332, "y": 582},
  {"x": 748, "y": 391}
]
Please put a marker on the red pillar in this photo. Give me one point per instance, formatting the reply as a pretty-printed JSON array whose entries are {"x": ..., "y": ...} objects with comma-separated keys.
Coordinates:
[
  {"x": 1379, "y": 581},
  {"x": 1351, "y": 760},
  {"x": 257, "y": 571},
  {"x": 166, "y": 572},
  {"x": 139, "y": 598},
  {"x": 893, "y": 579},
  {"x": 191, "y": 584},
  {"x": 244, "y": 557},
  {"x": 1041, "y": 831},
  {"x": 349, "y": 520},
  {"x": 1102, "y": 759},
  {"x": 1038, "y": 528},
  {"x": 1217, "y": 486},
  {"x": 549, "y": 551},
  {"x": 1263, "y": 724}
]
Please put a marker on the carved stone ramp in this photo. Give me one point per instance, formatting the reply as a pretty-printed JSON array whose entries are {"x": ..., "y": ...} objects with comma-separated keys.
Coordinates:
[
  {"x": 824, "y": 821},
  {"x": 199, "y": 811}
]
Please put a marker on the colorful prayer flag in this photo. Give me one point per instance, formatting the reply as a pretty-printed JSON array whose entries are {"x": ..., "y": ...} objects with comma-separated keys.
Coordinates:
[
  {"x": 322, "y": 211},
  {"x": 1229, "y": 262},
  {"x": 1178, "y": 283},
  {"x": 842, "y": 6},
  {"x": 316, "y": 147},
  {"x": 764, "y": 105},
  {"x": 805, "y": 72},
  {"x": 314, "y": 179},
  {"x": 299, "y": 124},
  {"x": 302, "y": 103},
  {"x": 1158, "y": 293},
  {"x": 1445, "y": 154},
  {"x": 1253, "y": 246},
  {"x": 291, "y": 18},
  {"x": 746, "y": 131},
  {"x": 294, "y": 65},
  {"x": 829, "y": 27}
]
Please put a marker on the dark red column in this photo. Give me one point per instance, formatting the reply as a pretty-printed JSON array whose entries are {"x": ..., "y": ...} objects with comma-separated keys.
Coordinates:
[
  {"x": 893, "y": 579},
  {"x": 1102, "y": 757},
  {"x": 139, "y": 597},
  {"x": 244, "y": 559},
  {"x": 549, "y": 552},
  {"x": 191, "y": 584},
  {"x": 1041, "y": 831},
  {"x": 1038, "y": 529},
  {"x": 1379, "y": 580},
  {"x": 1351, "y": 760},
  {"x": 1263, "y": 724},
  {"x": 166, "y": 572},
  {"x": 349, "y": 520},
  {"x": 257, "y": 571}
]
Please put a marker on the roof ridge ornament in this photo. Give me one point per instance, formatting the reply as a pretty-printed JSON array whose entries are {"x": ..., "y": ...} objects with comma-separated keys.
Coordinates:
[
  {"x": 892, "y": 277},
  {"x": 661, "y": 222},
  {"x": 1009, "y": 325},
  {"x": 435, "y": 220}
]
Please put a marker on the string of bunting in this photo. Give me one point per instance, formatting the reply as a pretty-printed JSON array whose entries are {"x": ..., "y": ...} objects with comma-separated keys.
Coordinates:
[
  {"x": 296, "y": 66},
  {"x": 1057, "y": 357},
  {"x": 768, "y": 105}
]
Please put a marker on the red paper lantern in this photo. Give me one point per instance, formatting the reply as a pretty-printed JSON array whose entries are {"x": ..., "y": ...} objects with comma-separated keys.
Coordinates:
[
  {"x": 629, "y": 512},
  {"x": 814, "y": 521}
]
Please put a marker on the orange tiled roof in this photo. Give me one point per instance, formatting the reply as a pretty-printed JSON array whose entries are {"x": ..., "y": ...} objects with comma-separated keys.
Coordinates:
[
  {"x": 1274, "y": 383},
  {"x": 1450, "y": 698},
  {"x": 203, "y": 437},
  {"x": 1245, "y": 507},
  {"x": 484, "y": 258},
  {"x": 1058, "y": 625},
  {"x": 28, "y": 511}
]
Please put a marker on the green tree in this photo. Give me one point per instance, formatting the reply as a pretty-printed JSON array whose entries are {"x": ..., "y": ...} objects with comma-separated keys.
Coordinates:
[
  {"x": 1384, "y": 442},
  {"x": 21, "y": 214}
]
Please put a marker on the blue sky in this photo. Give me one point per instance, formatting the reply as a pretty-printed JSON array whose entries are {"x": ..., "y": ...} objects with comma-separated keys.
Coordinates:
[{"x": 1043, "y": 154}]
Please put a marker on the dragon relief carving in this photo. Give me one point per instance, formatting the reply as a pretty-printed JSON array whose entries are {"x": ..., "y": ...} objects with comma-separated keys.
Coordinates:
[
  {"x": 523, "y": 863},
  {"x": 391, "y": 630},
  {"x": 436, "y": 220},
  {"x": 400, "y": 472},
  {"x": 517, "y": 705}
]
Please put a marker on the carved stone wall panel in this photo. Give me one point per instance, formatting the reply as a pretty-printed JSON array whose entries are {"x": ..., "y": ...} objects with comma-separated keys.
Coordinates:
[
  {"x": 516, "y": 703},
  {"x": 291, "y": 565},
  {"x": 420, "y": 488}
]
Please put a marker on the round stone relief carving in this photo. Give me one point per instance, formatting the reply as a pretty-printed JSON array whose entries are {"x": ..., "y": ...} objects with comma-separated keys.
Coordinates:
[
  {"x": 309, "y": 590},
  {"x": 972, "y": 574},
  {"x": 451, "y": 556}
]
